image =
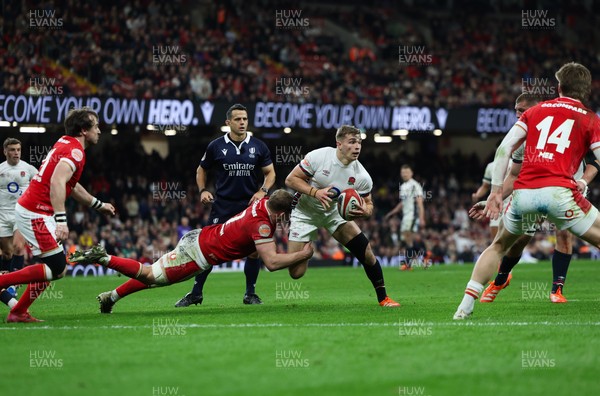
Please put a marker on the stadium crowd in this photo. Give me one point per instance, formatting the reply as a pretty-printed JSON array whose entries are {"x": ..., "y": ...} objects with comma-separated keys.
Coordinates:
[
  {"x": 237, "y": 51},
  {"x": 240, "y": 51}
]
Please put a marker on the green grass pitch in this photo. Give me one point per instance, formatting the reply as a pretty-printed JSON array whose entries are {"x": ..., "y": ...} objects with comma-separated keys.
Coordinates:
[{"x": 321, "y": 335}]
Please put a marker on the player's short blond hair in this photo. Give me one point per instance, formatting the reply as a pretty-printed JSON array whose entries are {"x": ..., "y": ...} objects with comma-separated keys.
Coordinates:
[
  {"x": 575, "y": 80},
  {"x": 346, "y": 130}
]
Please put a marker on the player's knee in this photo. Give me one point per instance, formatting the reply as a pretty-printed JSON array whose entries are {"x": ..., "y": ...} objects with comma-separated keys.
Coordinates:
[
  {"x": 563, "y": 243},
  {"x": 57, "y": 264},
  {"x": 360, "y": 248}
]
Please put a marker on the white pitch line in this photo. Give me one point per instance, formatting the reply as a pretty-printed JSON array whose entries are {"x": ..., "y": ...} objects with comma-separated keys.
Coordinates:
[{"x": 410, "y": 323}]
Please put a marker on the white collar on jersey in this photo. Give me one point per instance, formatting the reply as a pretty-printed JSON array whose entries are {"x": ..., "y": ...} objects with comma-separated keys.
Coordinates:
[{"x": 237, "y": 148}]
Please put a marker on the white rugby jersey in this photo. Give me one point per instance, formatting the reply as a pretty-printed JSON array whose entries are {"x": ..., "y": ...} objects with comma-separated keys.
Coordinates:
[
  {"x": 325, "y": 169},
  {"x": 409, "y": 191},
  {"x": 14, "y": 180},
  {"x": 487, "y": 174}
]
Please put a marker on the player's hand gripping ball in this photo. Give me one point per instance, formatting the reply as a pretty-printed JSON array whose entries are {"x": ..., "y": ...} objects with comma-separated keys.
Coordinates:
[
  {"x": 333, "y": 192},
  {"x": 348, "y": 200}
]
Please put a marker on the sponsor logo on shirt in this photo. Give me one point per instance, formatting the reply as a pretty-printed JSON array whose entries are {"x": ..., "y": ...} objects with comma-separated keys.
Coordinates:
[
  {"x": 224, "y": 151},
  {"x": 351, "y": 180},
  {"x": 77, "y": 155},
  {"x": 264, "y": 230},
  {"x": 326, "y": 172}
]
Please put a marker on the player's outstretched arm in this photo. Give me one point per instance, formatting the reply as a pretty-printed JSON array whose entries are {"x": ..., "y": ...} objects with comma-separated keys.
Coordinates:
[{"x": 275, "y": 261}]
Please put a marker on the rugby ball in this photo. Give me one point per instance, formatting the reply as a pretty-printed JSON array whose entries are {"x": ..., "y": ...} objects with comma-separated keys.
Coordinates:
[{"x": 347, "y": 201}]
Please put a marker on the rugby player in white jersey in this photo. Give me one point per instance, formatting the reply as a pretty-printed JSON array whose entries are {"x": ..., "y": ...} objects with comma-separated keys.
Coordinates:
[
  {"x": 319, "y": 177},
  {"x": 413, "y": 213},
  {"x": 15, "y": 176}
]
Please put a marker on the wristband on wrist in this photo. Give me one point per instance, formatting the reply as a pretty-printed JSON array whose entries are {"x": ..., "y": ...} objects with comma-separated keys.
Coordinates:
[
  {"x": 310, "y": 192},
  {"x": 202, "y": 190},
  {"x": 583, "y": 181},
  {"x": 60, "y": 217},
  {"x": 265, "y": 190},
  {"x": 96, "y": 203}
]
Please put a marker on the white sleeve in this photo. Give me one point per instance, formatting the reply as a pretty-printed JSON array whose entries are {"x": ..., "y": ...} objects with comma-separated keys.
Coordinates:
[
  {"x": 519, "y": 154},
  {"x": 487, "y": 175},
  {"x": 515, "y": 136},
  {"x": 365, "y": 186},
  {"x": 310, "y": 163}
]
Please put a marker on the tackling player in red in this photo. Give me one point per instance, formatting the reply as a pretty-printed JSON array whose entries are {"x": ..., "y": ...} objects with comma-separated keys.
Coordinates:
[{"x": 249, "y": 231}]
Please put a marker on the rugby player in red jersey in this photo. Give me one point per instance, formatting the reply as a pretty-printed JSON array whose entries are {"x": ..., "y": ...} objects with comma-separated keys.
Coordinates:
[
  {"x": 558, "y": 133},
  {"x": 40, "y": 212},
  {"x": 249, "y": 231}
]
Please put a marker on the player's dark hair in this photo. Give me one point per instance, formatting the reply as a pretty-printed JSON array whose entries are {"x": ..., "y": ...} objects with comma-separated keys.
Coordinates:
[
  {"x": 280, "y": 201},
  {"x": 528, "y": 98},
  {"x": 346, "y": 130},
  {"x": 575, "y": 81},
  {"x": 236, "y": 106},
  {"x": 79, "y": 120},
  {"x": 11, "y": 141},
  {"x": 406, "y": 166}
]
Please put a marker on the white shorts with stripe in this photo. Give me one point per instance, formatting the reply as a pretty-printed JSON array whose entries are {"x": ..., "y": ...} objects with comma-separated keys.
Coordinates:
[
  {"x": 181, "y": 263},
  {"x": 39, "y": 231},
  {"x": 566, "y": 208}
]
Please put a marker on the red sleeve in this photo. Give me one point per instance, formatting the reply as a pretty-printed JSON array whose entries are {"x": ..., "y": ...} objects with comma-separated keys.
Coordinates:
[
  {"x": 595, "y": 140},
  {"x": 74, "y": 156},
  {"x": 261, "y": 231}
]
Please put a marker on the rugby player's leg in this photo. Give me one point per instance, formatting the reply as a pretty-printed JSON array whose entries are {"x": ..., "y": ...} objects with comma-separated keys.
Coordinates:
[
  {"x": 484, "y": 270},
  {"x": 560, "y": 264},
  {"x": 162, "y": 273},
  {"x": 6, "y": 245},
  {"x": 38, "y": 277},
  {"x": 509, "y": 261},
  {"x": 298, "y": 270},
  {"x": 18, "y": 258},
  {"x": 512, "y": 257},
  {"x": 350, "y": 235},
  {"x": 251, "y": 271}
]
